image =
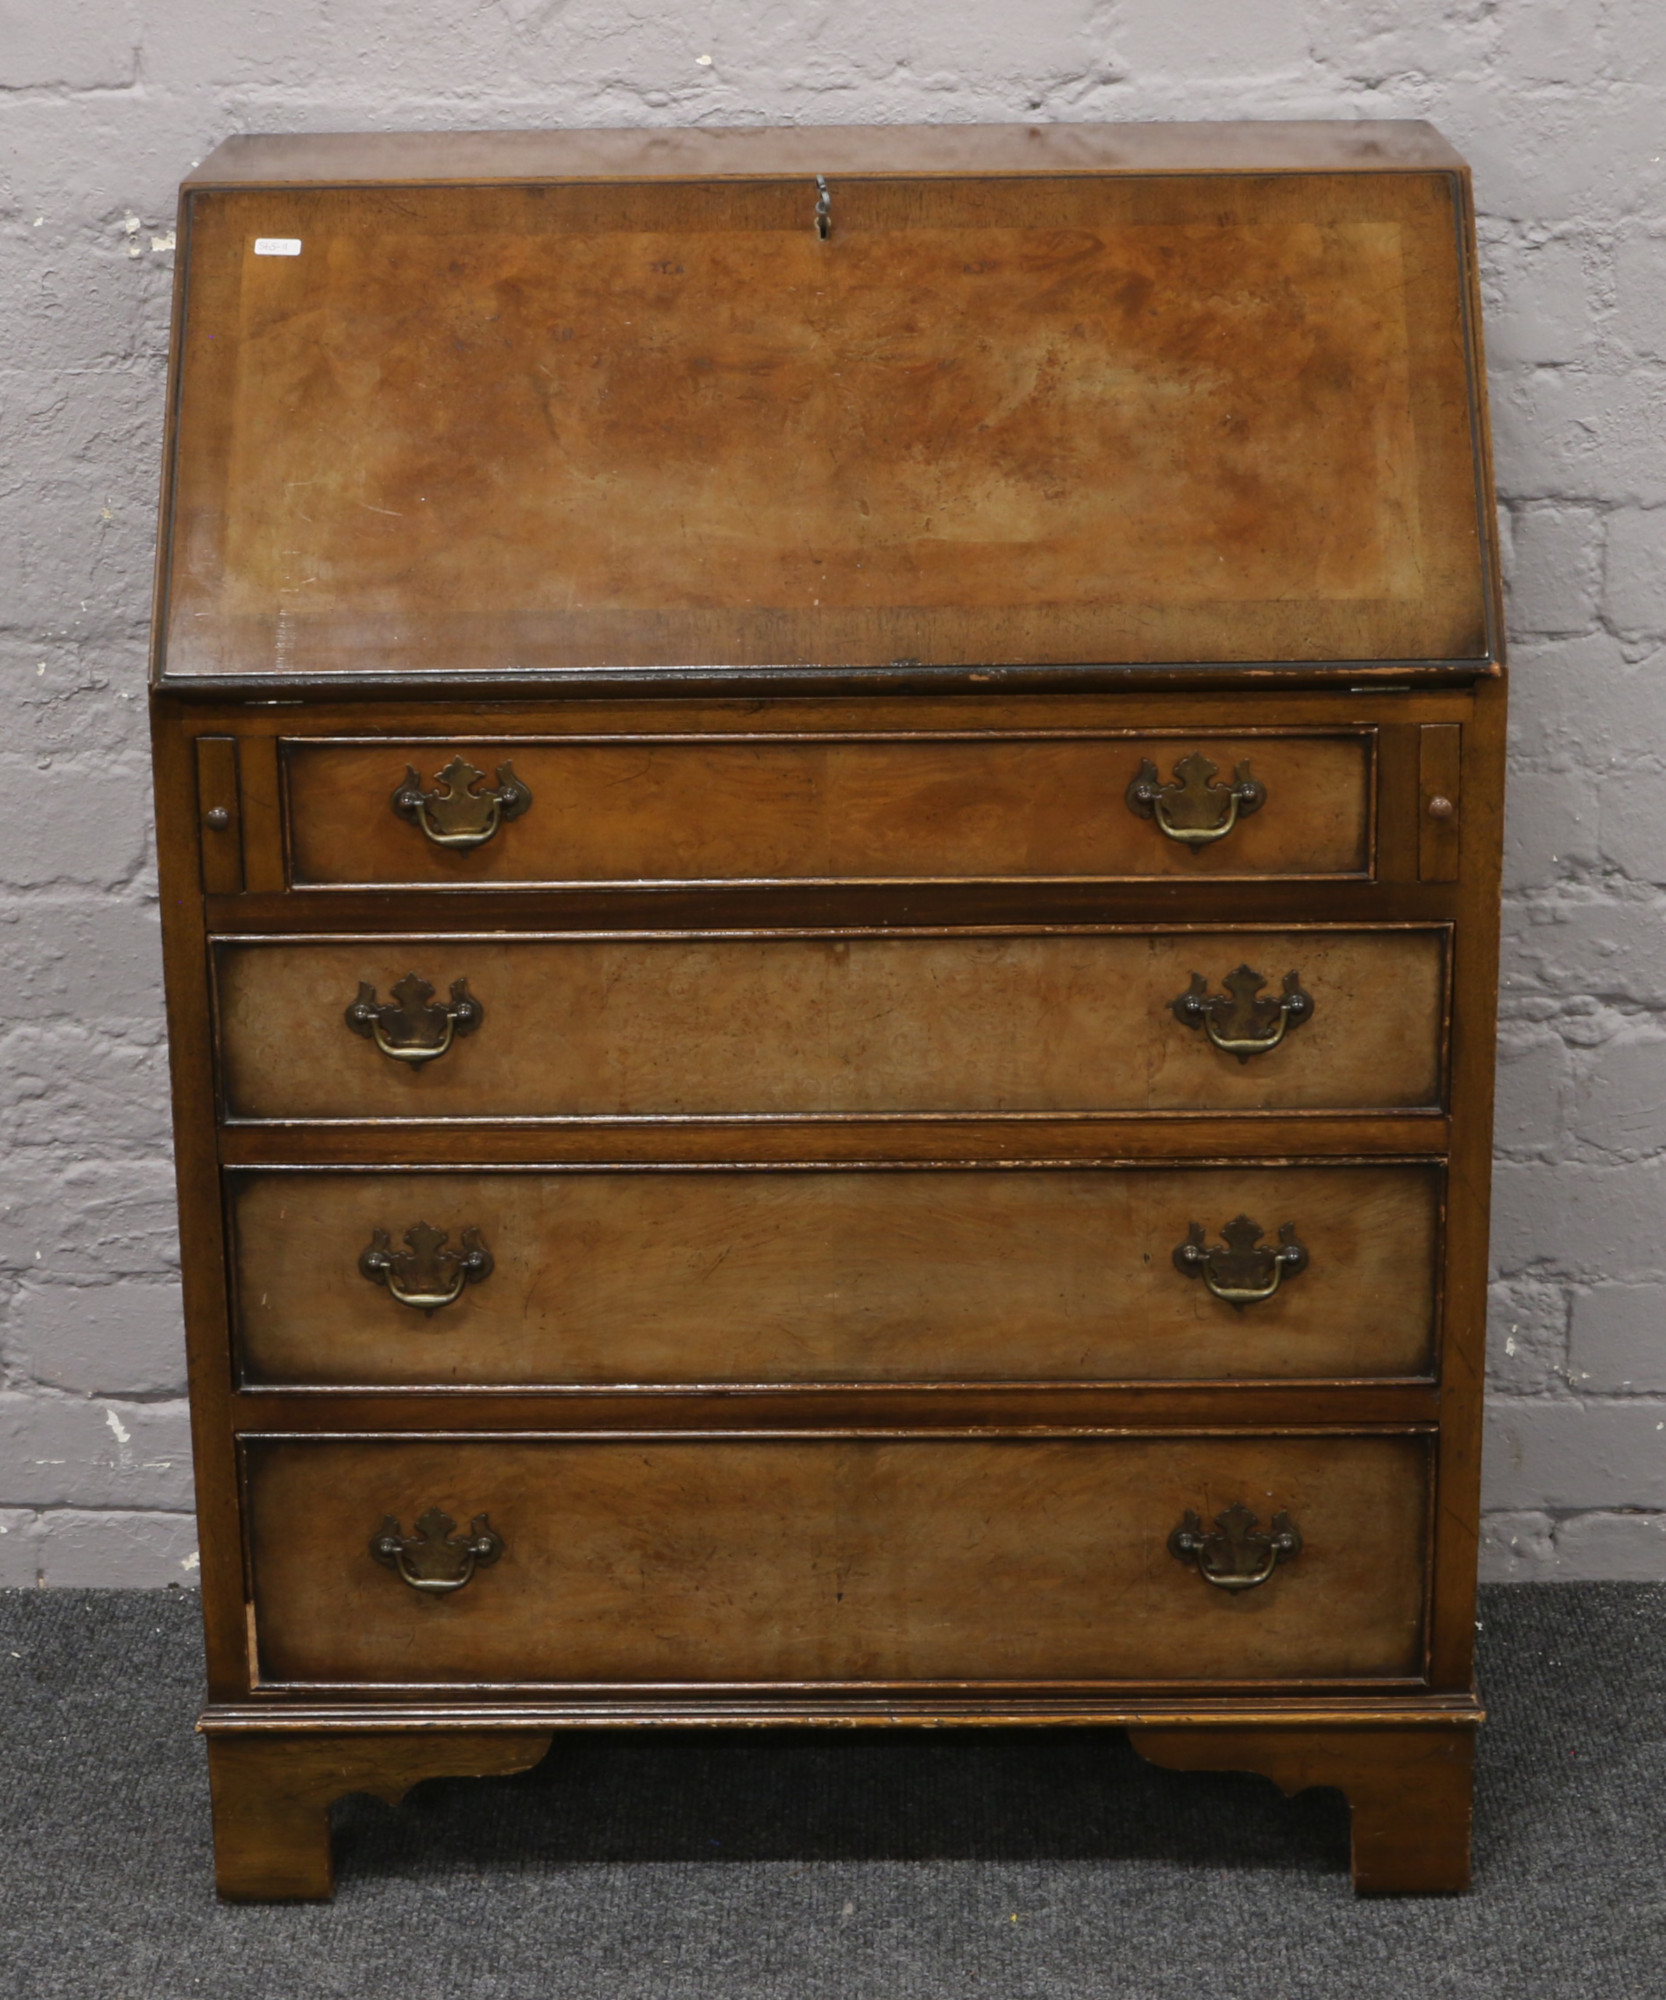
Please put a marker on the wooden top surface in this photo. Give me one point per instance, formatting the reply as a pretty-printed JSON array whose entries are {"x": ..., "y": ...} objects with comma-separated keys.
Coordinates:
[
  {"x": 1242, "y": 146},
  {"x": 634, "y": 413}
]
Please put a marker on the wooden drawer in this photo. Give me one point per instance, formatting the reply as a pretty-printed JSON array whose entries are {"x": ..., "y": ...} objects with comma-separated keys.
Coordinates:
[
  {"x": 854, "y": 1275},
  {"x": 633, "y": 1561},
  {"x": 847, "y": 1024},
  {"x": 768, "y": 808}
]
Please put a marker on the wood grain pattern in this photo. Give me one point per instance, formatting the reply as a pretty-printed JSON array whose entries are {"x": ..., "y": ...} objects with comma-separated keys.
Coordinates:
[
  {"x": 745, "y": 808},
  {"x": 1074, "y": 1021},
  {"x": 819, "y": 1276},
  {"x": 1199, "y": 419},
  {"x": 839, "y": 1560}
]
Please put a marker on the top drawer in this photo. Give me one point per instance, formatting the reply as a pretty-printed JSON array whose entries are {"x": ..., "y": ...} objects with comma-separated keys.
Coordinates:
[{"x": 760, "y": 808}]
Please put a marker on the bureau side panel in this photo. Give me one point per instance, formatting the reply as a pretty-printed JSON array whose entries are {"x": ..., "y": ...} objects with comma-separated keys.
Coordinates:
[
  {"x": 196, "y": 1166},
  {"x": 1475, "y": 1015}
]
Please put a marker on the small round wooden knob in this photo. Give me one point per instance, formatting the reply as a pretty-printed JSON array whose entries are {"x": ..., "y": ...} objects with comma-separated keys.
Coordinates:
[
  {"x": 1440, "y": 808},
  {"x": 218, "y": 818}
]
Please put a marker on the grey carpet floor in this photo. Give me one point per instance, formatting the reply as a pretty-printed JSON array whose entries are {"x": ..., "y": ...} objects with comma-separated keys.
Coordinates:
[{"x": 808, "y": 1866}]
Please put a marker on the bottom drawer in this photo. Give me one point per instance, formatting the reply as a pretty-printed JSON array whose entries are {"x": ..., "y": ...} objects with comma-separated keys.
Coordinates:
[{"x": 835, "y": 1560}]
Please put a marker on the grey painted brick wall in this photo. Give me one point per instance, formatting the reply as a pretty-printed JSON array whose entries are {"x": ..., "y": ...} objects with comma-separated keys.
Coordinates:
[{"x": 1559, "y": 104}]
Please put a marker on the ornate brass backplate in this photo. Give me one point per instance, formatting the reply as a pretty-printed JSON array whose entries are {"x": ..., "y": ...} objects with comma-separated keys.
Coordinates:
[
  {"x": 426, "y": 1274},
  {"x": 411, "y": 1027},
  {"x": 457, "y": 813},
  {"x": 1237, "y": 1020},
  {"x": 1191, "y": 808},
  {"x": 1236, "y": 1554},
  {"x": 433, "y": 1560},
  {"x": 1242, "y": 1270}
]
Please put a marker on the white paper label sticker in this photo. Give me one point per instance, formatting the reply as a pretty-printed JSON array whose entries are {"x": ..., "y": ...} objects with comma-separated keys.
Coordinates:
[{"x": 277, "y": 246}]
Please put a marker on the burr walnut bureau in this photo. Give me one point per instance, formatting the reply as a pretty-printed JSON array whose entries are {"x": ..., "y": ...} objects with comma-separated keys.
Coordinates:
[{"x": 829, "y": 820}]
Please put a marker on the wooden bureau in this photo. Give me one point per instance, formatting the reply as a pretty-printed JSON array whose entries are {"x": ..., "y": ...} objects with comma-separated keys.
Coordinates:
[{"x": 829, "y": 814}]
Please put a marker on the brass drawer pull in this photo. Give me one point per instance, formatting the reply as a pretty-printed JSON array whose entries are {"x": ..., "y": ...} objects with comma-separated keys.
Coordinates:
[
  {"x": 1237, "y": 1020},
  {"x": 1242, "y": 1270},
  {"x": 410, "y": 1027},
  {"x": 456, "y": 814},
  {"x": 425, "y": 1274},
  {"x": 1235, "y": 1554},
  {"x": 431, "y": 1560},
  {"x": 1191, "y": 807}
]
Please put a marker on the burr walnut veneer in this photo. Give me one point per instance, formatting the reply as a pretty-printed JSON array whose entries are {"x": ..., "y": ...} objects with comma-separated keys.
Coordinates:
[{"x": 829, "y": 811}]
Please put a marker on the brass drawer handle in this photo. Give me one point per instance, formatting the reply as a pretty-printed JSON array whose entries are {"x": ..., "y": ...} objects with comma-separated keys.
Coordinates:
[
  {"x": 432, "y": 1560},
  {"x": 1236, "y": 1020},
  {"x": 456, "y": 813},
  {"x": 1191, "y": 807},
  {"x": 425, "y": 1274},
  {"x": 1242, "y": 1270},
  {"x": 410, "y": 1027},
  {"x": 1235, "y": 1554}
]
